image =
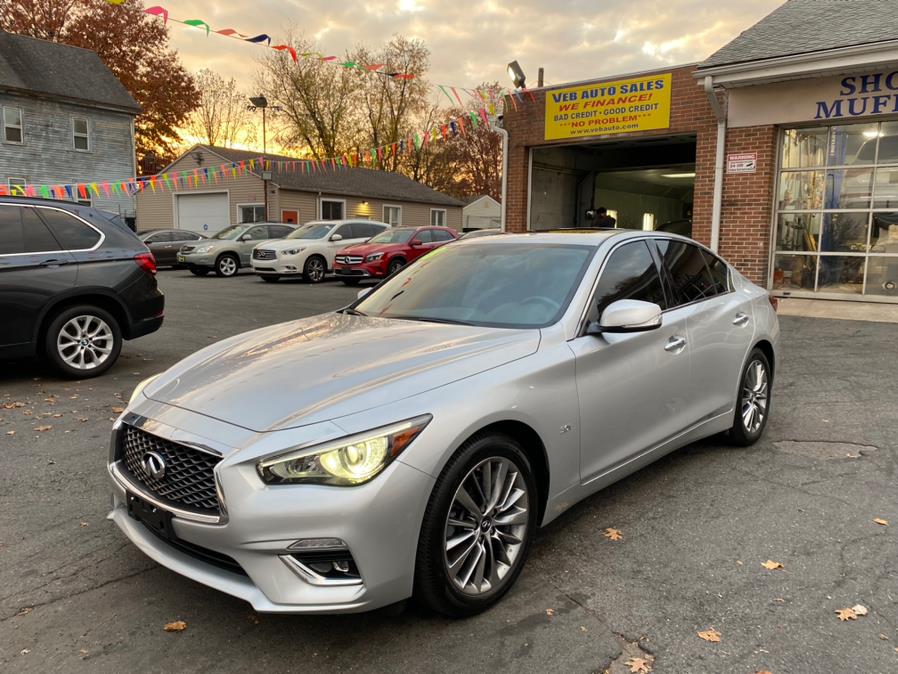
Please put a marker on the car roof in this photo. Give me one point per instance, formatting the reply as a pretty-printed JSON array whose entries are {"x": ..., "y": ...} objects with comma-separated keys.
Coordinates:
[
  {"x": 583, "y": 237},
  {"x": 346, "y": 221}
]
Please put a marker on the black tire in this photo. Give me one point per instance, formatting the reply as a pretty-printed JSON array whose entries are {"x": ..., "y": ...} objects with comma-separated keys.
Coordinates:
[
  {"x": 70, "y": 317},
  {"x": 227, "y": 265},
  {"x": 745, "y": 430},
  {"x": 315, "y": 269},
  {"x": 433, "y": 585},
  {"x": 196, "y": 271},
  {"x": 351, "y": 281},
  {"x": 395, "y": 265},
  {"x": 269, "y": 279}
]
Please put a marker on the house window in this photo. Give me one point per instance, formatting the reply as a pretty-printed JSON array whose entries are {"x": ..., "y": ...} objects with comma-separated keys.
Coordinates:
[
  {"x": 393, "y": 215},
  {"x": 12, "y": 125},
  {"x": 437, "y": 217},
  {"x": 80, "y": 136},
  {"x": 332, "y": 209},
  {"x": 251, "y": 212},
  {"x": 16, "y": 186}
]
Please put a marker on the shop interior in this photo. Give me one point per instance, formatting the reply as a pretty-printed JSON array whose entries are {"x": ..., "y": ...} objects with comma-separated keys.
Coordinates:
[{"x": 644, "y": 184}]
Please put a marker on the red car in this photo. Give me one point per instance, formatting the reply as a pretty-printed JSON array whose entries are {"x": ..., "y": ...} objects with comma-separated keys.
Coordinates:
[{"x": 388, "y": 252}]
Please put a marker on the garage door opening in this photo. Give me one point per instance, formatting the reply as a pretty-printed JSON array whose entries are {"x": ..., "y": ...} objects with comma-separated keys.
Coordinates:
[{"x": 644, "y": 184}]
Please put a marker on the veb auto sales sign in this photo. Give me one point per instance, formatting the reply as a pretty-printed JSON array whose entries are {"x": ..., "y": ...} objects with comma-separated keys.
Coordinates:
[{"x": 621, "y": 106}]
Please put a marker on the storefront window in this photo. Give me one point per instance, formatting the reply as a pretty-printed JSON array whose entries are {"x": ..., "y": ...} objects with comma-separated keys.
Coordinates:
[{"x": 837, "y": 211}]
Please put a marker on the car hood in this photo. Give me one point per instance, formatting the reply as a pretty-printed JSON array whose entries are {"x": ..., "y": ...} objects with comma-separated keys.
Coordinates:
[
  {"x": 284, "y": 244},
  {"x": 368, "y": 248},
  {"x": 329, "y": 366}
]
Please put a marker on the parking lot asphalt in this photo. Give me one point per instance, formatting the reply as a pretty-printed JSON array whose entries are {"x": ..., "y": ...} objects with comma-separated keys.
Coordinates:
[{"x": 76, "y": 596}]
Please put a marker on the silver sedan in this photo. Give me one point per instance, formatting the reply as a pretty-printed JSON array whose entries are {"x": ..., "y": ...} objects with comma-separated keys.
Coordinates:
[{"x": 410, "y": 444}]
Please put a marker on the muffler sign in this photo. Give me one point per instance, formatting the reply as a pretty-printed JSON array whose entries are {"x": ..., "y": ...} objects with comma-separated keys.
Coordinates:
[{"x": 622, "y": 106}]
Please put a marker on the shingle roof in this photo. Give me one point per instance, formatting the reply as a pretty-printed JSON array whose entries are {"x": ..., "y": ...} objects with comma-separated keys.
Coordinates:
[
  {"x": 807, "y": 26},
  {"x": 60, "y": 71},
  {"x": 360, "y": 182}
]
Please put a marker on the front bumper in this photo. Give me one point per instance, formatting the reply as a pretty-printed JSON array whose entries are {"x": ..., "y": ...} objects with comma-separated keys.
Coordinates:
[
  {"x": 280, "y": 266},
  {"x": 363, "y": 270},
  {"x": 379, "y": 521},
  {"x": 202, "y": 260}
]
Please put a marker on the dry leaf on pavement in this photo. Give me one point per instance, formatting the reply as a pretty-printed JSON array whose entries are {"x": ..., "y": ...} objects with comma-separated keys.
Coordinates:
[
  {"x": 176, "y": 626},
  {"x": 639, "y": 665},
  {"x": 10, "y": 432},
  {"x": 846, "y": 614},
  {"x": 550, "y": 612},
  {"x": 710, "y": 634},
  {"x": 770, "y": 564},
  {"x": 118, "y": 410},
  {"x": 859, "y": 609},
  {"x": 41, "y": 429},
  {"x": 881, "y": 521},
  {"x": 612, "y": 534}
]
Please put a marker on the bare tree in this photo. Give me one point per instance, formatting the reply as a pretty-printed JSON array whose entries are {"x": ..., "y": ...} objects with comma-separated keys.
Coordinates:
[{"x": 222, "y": 117}]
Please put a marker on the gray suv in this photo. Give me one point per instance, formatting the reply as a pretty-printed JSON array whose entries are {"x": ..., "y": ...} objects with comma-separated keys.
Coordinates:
[{"x": 231, "y": 248}]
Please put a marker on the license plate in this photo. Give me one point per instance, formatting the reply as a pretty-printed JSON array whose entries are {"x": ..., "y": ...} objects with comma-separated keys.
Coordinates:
[
  {"x": 180, "y": 258},
  {"x": 153, "y": 518}
]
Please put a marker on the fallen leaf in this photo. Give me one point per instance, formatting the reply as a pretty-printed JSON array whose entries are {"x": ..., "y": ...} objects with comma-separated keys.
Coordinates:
[
  {"x": 859, "y": 609},
  {"x": 639, "y": 665},
  {"x": 27, "y": 413},
  {"x": 710, "y": 634},
  {"x": 883, "y": 637},
  {"x": 583, "y": 628},
  {"x": 763, "y": 671},
  {"x": 118, "y": 410},
  {"x": 83, "y": 419},
  {"x": 25, "y": 611},
  {"x": 176, "y": 626},
  {"x": 770, "y": 564},
  {"x": 612, "y": 534},
  {"x": 41, "y": 429},
  {"x": 57, "y": 416},
  {"x": 84, "y": 524},
  {"x": 83, "y": 653},
  {"x": 50, "y": 400},
  {"x": 10, "y": 432},
  {"x": 25, "y": 651},
  {"x": 846, "y": 614},
  {"x": 550, "y": 612},
  {"x": 881, "y": 521},
  {"x": 13, "y": 405}
]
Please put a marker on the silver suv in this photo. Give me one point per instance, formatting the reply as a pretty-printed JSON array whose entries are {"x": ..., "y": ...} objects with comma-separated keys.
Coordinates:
[{"x": 231, "y": 248}]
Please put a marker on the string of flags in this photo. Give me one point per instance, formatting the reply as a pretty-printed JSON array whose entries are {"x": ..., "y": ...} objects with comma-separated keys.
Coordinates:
[{"x": 458, "y": 125}]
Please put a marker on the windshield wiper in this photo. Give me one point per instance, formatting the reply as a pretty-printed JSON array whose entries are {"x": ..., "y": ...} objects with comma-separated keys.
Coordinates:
[
  {"x": 431, "y": 319},
  {"x": 352, "y": 312}
]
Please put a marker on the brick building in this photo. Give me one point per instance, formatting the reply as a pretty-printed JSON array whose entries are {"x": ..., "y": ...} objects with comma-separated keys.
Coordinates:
[{"x": 780, "y": 151}]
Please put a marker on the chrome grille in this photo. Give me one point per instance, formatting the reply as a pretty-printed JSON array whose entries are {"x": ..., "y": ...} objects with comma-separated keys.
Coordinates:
[
  {"x": 349, "y": 259},
  {"x": 189, "y": 478},
  {"x": 263, "y": 254}
]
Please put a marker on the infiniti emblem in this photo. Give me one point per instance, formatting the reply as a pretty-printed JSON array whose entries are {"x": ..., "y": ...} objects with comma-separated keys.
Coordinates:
[{"x": 153, "y": 464}]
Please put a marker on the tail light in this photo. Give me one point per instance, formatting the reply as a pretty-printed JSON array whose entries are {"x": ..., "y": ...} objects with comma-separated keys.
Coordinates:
[
  {"x": 146, "y": 261},
  {"x": 774, "y": 302}
]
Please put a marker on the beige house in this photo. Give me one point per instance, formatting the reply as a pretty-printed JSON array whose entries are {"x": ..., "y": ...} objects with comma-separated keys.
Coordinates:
[
  {"x": 293, "y": 197},
  {"x": 482, "y": 212}
]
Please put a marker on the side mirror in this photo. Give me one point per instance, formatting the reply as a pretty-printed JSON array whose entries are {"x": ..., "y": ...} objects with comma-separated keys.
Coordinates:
[
  {"x": 245, "y": 237},
  {"x": 363, "y": 292},
  {"x": 627, "y": 316},
  {"x": 415, "y": 243},
  {"x": 336, "y": 237}
]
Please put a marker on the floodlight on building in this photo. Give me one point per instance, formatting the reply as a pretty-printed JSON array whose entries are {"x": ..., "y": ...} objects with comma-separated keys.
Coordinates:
[{"x": 516, "y": 74}]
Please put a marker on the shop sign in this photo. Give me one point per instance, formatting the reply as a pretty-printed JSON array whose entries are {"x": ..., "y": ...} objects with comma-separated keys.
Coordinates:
[
  {"x": 621, "y": 106},
  {"x": 860, "y": 95},
  {"x": 743, "y": 162}
]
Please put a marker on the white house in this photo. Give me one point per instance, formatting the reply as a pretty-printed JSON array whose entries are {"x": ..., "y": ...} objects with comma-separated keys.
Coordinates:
[{"x": 482, "y": 212}]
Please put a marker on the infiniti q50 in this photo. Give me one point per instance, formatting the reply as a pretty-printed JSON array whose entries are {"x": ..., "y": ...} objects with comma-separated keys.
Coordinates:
[{"x": 410, "y": 443}]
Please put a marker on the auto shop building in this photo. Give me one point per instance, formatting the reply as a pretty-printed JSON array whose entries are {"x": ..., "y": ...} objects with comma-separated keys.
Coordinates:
[{"x": 780, "y": 151}]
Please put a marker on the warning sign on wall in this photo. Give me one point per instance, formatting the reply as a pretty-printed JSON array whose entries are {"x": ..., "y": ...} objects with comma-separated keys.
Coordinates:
[{"x": 745, "y": 162}]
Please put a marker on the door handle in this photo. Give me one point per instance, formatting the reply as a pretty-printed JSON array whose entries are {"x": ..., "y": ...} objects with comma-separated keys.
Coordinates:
[
  {"x": 675, "y": 344},
  {"x": 741, "y": 319},
  {"x": 53, "y": 262}
]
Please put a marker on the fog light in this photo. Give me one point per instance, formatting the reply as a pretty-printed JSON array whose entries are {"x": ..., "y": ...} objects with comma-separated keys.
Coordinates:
[{"x": 312, "y": 544}]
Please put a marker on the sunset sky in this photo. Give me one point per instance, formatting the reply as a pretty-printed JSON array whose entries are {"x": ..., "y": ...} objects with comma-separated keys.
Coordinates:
[{"x": 471, "y": 42}]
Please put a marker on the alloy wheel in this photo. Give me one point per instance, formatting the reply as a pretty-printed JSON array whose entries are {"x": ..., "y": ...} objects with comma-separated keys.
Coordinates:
[
  {"x": 754, "y": 396},
  {"x": 227, "y": 266},
  {"x": 315, "y": 269},
  {"x": 85, "y": 342},
  {"x": 486, "y": 526}
]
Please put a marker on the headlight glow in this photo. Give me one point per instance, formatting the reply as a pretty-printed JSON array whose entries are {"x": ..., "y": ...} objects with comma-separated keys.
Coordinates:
[
  {"x": 374, "y": 257},
  {"x": 291, "y": 251},
  {"x": 345, "y": 462},
  {"x": 140, "y": 387}
]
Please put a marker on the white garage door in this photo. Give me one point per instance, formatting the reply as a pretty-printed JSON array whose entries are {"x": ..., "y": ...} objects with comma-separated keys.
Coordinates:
[{"x": 205, "y": 213}]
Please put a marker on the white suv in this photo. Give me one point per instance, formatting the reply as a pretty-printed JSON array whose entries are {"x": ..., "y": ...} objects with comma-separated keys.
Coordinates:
[{"x": 310, "y": 250}]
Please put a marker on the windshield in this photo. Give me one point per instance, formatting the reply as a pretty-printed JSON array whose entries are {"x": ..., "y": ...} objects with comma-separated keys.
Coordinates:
[
  {"x": 526, "y": 285},
  {"x": 230, "y": 233},
  {"x": 393, "y": 236},
  {"x": 311, "y": 231}
]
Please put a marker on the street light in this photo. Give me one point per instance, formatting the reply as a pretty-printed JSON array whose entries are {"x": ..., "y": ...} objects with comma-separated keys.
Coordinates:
[
  {"x": 261, "y": 103},
  {"x": 516, "y": 74}
]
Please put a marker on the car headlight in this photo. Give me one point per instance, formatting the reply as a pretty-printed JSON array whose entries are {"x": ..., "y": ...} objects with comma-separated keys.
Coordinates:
[
  {"x": 291, "y": 251},
  {"x": 374, "y": 257},
  {"x": 202, "y": 249},
  {"x": 140, "y": 387},
  {"x": 344, "y": 462}
]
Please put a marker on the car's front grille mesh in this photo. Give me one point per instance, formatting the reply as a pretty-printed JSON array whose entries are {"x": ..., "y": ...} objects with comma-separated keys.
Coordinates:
[
  {"x": 349, "y": 259},
  {"x": 263, "y": 254},
  {"x": 189, "y": 477}
]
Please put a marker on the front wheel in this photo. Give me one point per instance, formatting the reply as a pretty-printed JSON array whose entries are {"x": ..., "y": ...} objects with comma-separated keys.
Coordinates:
[
  {"x": 753, "y": 403},
  {"x": 227, "y": 265},
  {"x": 395, "y": 266},
  {"x": 314, "y": 269},
  {"x": 477, "y": 527},
  {"x": 83, "y": 341}
]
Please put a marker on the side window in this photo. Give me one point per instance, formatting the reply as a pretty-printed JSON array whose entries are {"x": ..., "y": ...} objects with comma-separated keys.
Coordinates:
[
  {"x": 159, "y": 237},
  {"x": 184, "y": 235},
  {"x": 345, "y": 231},
  {"x": 424, "y": 236},
  {"x": 720, "y": 273},
  {"x": 71, "y": 233},
  {"x": 440, "y": 235},
  {"x": 630, "y": 274},
  {"x": 689, "y": 275},
  {"x": 258, "y": 233},
  {"x": 12, "y": 238},
  {"x": 278, "y": 231},
  {"x": 38, "y": 238}
]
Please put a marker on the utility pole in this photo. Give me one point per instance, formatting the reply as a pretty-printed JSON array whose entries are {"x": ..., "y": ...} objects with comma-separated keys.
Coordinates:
[{"x": 261, "y": 103}]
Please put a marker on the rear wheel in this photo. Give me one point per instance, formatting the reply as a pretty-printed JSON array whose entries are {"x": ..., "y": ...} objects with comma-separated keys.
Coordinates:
[
  {"x": 314, "y": 269},
  {"x": 196, "y": 271},
  {"x": 753, "y": 403},
  {"x": 269, "y": 279},
  {"x": 477, "y": 527},
  {"x": 395, "y": 265},
  {"x": 227, "y": 265},
  {"x": 83, "y": 341}
]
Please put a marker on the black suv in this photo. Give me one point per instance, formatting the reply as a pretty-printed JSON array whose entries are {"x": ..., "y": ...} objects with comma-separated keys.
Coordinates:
[{"x": 73, "y": 285}]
